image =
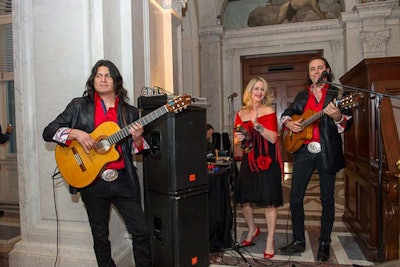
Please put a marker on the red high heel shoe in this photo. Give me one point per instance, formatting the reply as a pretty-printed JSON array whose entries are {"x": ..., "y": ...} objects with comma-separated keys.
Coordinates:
[
  {"x": 246, "y": 243},
  {"x": 269, "y": 255}
]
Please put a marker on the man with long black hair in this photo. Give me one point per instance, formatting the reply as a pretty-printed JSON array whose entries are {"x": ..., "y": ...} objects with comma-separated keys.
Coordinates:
[
  {"x": 105, "y": 99},
  {"x": 323, "y": 152}
]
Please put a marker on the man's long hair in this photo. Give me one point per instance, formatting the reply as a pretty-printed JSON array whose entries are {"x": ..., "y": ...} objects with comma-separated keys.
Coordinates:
[{"x": 119, "y": 89}]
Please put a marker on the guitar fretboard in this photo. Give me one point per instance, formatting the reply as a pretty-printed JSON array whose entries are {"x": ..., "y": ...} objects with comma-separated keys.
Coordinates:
[
  {"x": 124, "y": 132},
  {"x": 318, "y": 115},
  {"x": 311, "y": 119}
]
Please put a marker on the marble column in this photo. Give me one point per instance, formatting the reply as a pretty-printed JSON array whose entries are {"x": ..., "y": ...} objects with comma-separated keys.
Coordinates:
[{"x": 55, "y": 45}]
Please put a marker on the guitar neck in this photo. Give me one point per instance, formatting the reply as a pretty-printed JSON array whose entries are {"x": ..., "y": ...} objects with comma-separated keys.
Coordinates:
[
  {"x": 124, "y": 132},
  {"x": 311, "y": 119},
  {"x": 318, "y": 115}
]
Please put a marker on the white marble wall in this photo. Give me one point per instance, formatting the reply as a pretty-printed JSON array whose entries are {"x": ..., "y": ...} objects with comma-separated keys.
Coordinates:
[{"x": 56, "y": 44}]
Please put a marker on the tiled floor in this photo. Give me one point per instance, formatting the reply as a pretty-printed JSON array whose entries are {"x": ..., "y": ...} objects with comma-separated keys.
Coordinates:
[
  {"x": 9, "y": 232},
  {"x": 344, "y": 247},
  {"x": 9, "y": 224}
]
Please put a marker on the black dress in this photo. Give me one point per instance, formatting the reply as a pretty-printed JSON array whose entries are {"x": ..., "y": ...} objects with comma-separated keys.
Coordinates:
[{"x": 257, "y": 182}]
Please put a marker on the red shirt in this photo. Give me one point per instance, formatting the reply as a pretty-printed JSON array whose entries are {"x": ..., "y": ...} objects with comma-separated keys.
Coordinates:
[
  {"x": 101, "y": 114},
  {"x": 315, "y": 106}
]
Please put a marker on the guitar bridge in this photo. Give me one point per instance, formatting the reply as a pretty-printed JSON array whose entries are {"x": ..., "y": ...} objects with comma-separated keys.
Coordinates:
[{"x": 78, "y": 159}]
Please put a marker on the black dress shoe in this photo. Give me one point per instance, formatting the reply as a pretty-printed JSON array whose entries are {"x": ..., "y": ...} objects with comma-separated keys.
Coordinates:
[
  {"x": 323, "y": 251},
  {"x": 294, "y": 247},
  {"x": 1, "y": 213}
]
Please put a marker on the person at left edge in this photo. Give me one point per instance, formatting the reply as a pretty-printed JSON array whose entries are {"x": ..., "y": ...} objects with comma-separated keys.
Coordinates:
[
  {"x": 4, "y": 137},
  {"x": 105, "y": 99}
]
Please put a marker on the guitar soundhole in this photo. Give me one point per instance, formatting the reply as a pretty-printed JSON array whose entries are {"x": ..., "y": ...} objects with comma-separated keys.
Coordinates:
[{"x": 103, "y": 146}]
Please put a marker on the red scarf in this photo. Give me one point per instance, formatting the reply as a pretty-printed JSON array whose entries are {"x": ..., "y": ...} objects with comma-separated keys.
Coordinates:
[{"x": 261, "y": 163}]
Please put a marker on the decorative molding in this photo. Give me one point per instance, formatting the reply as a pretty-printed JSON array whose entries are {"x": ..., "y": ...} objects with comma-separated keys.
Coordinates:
[
  {"x": 228, "y": 54},
  {"x": 374, "y": 41},
  {"x": 212, "y": 30},
  {"x": 337, "y": 45},
  {"x": 351, "y": 16},
  {"x": 376, "y": 9},
  {"x": 177, "y": 5},
  {"x": 287, "y": 28}
]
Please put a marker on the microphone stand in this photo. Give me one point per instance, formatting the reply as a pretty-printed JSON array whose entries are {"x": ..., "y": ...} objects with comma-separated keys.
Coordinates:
[
  {"x": 378, "y": 98},
  {"x": 236, "y": 246}
]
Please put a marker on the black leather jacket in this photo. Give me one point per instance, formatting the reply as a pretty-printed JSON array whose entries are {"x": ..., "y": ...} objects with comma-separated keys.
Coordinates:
[
  {"x": 331, "y": 140},
  {"x": 4, "y": 137},
  {"x": 79, "y": 114}
]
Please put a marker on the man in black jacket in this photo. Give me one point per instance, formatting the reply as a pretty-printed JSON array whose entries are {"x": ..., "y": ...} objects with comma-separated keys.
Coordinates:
[
  {"x": 105, "y": 100},
  {"x": 322, "y": 151}
]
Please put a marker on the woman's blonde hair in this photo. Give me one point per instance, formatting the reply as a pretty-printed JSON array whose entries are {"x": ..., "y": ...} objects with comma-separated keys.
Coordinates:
[{"x": 247, "y": 100}]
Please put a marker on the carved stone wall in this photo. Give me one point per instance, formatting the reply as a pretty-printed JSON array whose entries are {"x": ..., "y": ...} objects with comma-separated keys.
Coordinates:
[{"x": 365, "y": 30}]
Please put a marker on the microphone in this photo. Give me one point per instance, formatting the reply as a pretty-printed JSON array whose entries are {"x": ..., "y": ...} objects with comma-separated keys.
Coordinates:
[
  {"x": 232, "y": 95},
  {"x": 324, "y": 75}
]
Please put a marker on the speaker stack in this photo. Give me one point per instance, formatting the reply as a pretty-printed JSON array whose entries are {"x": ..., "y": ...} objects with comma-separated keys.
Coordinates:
[{"x": 175, "y": 185}]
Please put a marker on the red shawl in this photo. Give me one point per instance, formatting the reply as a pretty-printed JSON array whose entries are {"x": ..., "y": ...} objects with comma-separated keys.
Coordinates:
[{"x": 269, "y": 122}]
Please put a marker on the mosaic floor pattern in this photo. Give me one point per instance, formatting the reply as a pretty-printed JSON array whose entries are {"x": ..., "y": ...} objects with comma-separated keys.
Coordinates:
[{"x": 345, "y": 250}]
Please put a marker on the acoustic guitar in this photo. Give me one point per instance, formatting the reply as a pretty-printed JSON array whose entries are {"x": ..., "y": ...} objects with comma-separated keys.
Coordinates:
[
  {"x": 79, "y": 169},
  {"x": 292, "y": 141}
]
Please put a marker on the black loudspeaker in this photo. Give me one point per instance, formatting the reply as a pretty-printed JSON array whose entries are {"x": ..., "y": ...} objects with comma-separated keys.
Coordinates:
[
  {"x": 179, "y": 229},
  {"x": 176, "y": 187},
  {"x": 176, "y": 161}
]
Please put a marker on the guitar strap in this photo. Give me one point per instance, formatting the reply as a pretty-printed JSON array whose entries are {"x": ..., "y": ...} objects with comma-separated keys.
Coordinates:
[{"x": 124, "y": 116}]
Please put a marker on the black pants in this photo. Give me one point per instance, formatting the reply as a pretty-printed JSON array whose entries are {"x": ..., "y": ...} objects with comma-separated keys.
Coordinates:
[
  {"x": 304, "y": 165},
  {"x": 98, "y": 199}
]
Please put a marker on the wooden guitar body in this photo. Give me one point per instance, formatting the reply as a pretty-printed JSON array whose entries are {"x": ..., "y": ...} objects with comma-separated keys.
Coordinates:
[
  {"x": 80, "y": 169},
  {"x": 293, "y": 141}
]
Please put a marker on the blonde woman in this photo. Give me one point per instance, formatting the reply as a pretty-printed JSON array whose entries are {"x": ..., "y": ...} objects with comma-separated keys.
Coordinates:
[{"x": 260, "y": 178}]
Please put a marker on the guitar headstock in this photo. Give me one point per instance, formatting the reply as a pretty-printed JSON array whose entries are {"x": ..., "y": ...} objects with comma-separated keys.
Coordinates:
[
  {"x": 178, "y": 103},
  {"x": 350, "y": 100}
]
